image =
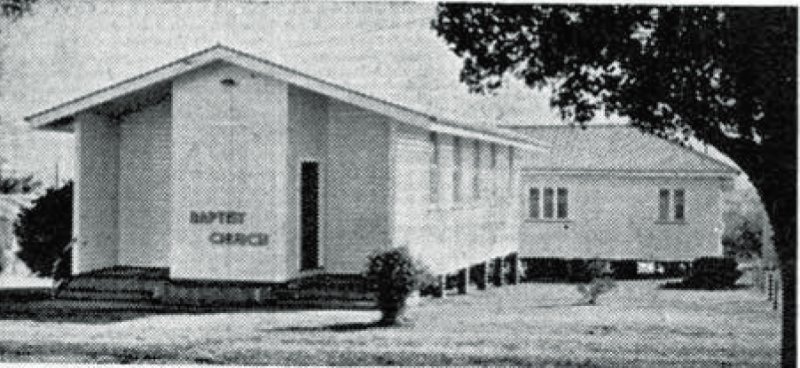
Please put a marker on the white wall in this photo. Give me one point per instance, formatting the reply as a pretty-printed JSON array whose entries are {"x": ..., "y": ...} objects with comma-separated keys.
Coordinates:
[
  {"x": 449, "y": 235},
  {"x": 617, "y": 218},
  {"x": 95, "y": 211},
  {"x": 145, "y": 186},
  {"x": 229, "y": 147},
  {"x": 357, "y": 219}
]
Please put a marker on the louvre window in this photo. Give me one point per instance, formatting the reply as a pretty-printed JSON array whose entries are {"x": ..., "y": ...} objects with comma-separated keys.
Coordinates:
[
  {"x": 533, "y": 203},
  {"x": 456, "y": 169},
  {"x": 510, "y": 185},
  {"x": 663, "y": 204},
  {"x": 476, "y": 170},
  {"x": 672, "y": 205},
  {"x": 493, "y": 168},
  {"x": 679, "y": 205},
  {"x": 548, "y": 203},
  {"x": 562, "y": 203},
  {"x": 434, "y": 168}
]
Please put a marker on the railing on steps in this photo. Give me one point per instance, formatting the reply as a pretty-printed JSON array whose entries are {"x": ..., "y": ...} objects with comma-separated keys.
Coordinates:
[{"x": 62, "y": 268}]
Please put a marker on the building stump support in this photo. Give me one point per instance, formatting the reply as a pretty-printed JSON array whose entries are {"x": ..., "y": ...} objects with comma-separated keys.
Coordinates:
[
  {"x": 463, "y": 280},
  {"x": 497, "y": 272},
  {"x": 441, "y": 280},
  {"x": 513, "y": 272},
  {"x": 483, "y": 275}
]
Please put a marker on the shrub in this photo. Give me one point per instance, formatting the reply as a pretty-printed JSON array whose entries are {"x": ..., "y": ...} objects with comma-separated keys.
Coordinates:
[
  {"x": 44, "y": 232},
  {"x": 427, "y": 283},
  {"x": 395, "y": 275},
  {"x": 597, "y": 274},
  {"x": 712, "y": 273}
]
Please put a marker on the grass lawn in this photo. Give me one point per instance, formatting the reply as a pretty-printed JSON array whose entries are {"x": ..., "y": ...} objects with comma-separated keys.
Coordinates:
[{"x": 636, "y": 324}]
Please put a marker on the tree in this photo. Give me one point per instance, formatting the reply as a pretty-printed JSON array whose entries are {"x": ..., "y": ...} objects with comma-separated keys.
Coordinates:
[
  {"x": 18, "y": 185},
  {"x": 44, "y": 231},
  {"x": 724, "y": 75},
  {"x": 15, "y": 8},
  {"x": 745, "y": 223}
]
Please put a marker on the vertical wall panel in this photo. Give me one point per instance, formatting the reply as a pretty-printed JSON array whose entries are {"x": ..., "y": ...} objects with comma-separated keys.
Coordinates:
[
  {"x": 229, "y": 153},
  {"x": 358, "y": 187},
  {"x": 95, "y": 214},
  {"x": 145, "y": 186}
]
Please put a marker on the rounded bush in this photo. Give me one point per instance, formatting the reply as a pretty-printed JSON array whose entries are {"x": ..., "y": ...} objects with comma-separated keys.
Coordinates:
[
  {"x": 713, "y": 273},
  {"x": 394, "y": 275},
  {"x": 44, "y": 232}
]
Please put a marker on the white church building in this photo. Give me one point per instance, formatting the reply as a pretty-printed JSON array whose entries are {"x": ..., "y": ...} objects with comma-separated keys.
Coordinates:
[{"x": 225, "y": 176}]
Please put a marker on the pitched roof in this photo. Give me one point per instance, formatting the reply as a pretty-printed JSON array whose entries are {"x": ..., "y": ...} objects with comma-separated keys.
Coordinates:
[
  {"x": 56, "y": 115},
  {"x": 616, "y": 148}
]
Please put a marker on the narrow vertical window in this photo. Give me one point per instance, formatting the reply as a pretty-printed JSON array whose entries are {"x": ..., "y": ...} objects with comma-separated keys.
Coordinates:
[
  {"x": 663, "y": 205},
  {"x": 510, "y": 185},
  {"x": 679, "y": 204},
  {"x": 456, "y": 169},
  {"x": 548, "y": 203},
  {"x": 434, "y": 168},
  {"x": 476, "y": 170},
  {"x": 493, "y": 168},
  {"x": 533, "y": 203},
  {"x": 562, "y": 211}
]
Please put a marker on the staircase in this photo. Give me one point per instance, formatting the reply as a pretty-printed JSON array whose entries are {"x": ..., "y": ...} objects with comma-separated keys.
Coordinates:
[
  {"x": 118, "y": 283},
  {"x": 326, "y": 291},
  {"x": 150, "y": 286}
]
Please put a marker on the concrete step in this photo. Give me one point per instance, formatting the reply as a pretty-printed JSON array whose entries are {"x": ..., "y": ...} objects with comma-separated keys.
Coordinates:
[
  {"x": 113, "y": 284},
  {"x": 89, "y": 295},
  {"x": 322, "y": 295},
  {"x": 325, "y": 304}
]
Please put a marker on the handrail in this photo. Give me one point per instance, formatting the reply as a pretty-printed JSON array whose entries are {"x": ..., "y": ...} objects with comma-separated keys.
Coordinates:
[{"x": 59, "y": 281}]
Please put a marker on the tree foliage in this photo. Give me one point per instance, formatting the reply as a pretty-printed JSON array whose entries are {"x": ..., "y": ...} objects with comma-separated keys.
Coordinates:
[
  {"x": 15, "y": 8},
  {"x": 745, "y": 223},
  {"x": 45, "y": 230},
  {"x": 724, "y": 75},
  {"x": 18, "y": 185},
  {"x": 743, "y": 242}
]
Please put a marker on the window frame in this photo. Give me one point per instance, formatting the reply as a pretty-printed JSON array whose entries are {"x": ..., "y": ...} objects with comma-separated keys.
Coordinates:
[
  {"x": 559, "y": 204},
  {"x": 476, "y": 169},
  {"x": 457, "y": 169},
  {"x": 434, "y": 169},
  {"x": 493, "y": 168},
  {"x": 673, "y": 209}
]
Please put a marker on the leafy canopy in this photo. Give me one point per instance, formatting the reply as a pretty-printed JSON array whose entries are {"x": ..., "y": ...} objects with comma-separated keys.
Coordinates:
[
  {"x": 720, "y": 74},
  {"x": 18, "y": 185}
]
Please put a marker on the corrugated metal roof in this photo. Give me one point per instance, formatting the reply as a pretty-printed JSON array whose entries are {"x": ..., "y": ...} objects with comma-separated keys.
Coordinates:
[{"x": 621, "y": 148}]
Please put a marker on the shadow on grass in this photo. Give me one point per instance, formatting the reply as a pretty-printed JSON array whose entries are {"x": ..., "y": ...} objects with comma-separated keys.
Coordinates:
[
  {"x": 339, "y": 327},
  {"x": 38, "y": 305},
  {"x": 680, "y": 285}
]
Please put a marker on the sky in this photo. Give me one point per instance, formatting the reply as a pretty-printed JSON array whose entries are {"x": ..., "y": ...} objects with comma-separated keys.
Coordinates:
[{"x": 67, "y": 49}]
